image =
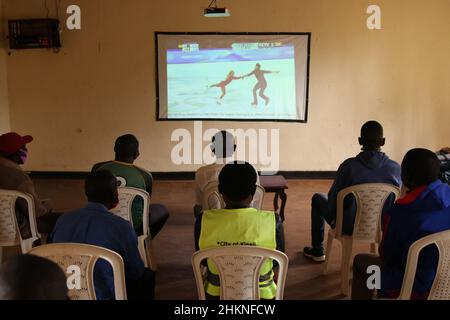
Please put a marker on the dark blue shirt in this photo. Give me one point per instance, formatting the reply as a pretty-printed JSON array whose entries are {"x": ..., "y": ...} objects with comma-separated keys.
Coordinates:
[
  {"x": 366, "y": 167},
  {"x": 95, "y": 225}
]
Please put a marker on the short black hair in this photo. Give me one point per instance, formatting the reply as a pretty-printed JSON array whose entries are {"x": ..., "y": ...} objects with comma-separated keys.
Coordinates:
[
  {"x": 223, "y": 144},
  {"x": 372, "y": 134},
  {"x": 126, "y": 146},
  {"x": 420, "y": 167},
  {"x": 101, "y": 186},
  {"x": 237, "y": 180},
  {"x": 29, "y": 277}
]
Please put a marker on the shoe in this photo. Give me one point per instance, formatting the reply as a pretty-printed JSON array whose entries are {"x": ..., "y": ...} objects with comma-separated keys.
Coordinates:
[{"x": 314, "y": 254}]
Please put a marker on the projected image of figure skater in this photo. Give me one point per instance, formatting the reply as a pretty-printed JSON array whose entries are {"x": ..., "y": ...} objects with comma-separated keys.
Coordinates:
[
  {"x": 261, "y": 85},
  {"x": 222, "y": 85}
]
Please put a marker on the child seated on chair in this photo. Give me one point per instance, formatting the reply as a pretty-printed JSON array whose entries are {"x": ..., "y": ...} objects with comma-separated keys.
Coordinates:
[
  {"x": 423, "y": 211},
  {"x": 223, "y": 147},
  {"x": 95, "y": 225},
  {"x": 239, "y": 224},
  {"x": 369, "y": 166}
]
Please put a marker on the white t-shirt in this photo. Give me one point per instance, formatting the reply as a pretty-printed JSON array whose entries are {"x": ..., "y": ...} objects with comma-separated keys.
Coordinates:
[{"x": 209, "y": 173}]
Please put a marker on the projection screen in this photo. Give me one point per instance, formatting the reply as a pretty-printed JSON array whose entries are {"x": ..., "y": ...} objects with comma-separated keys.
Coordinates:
[{"x": 243, "y": 77}]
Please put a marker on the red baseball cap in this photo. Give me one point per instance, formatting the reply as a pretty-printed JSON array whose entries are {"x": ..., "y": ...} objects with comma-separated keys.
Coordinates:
[{"x": 11, "y": 142}]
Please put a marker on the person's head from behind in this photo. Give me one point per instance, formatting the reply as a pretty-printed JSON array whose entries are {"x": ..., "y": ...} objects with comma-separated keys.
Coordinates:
[
  {"x": 237, "y": 184},
  {"x": 372, "y": 138},
  {"x": 126, "y": 148},
  {"x": 223, "y": 145},
  {"x": 420, "y": 167},
  {"x": 14, "y": 147},
  {"x": 231, "y": 73},
  {"x": 257, "y": 66},
  {"x": 101, "y": 187},
  {"x": 29, "y": 277}
]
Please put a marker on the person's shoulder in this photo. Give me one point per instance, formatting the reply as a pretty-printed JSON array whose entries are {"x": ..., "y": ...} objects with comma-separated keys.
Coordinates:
[
  {"x": 347, "y": 163},
  {"x": 393, "y": 164},
  {"x": 142, "y": 171},
  {"x": 98, "y": 166}
]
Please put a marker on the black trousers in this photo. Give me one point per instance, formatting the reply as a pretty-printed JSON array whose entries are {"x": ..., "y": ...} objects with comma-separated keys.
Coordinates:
[
  {"x": 142, "y": 288},
  {"x": 361, "y": 262}
]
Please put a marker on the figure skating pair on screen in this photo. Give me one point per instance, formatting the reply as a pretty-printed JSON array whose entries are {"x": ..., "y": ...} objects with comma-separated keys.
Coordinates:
[{"x": 261, "y": 84}]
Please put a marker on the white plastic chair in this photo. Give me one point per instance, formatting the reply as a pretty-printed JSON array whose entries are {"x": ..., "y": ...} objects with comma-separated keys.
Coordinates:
[
  {"x": 84, "y": 256},
  {"x": 370, "y": 200},
  {"x": 212, "y": 199},
  {"x": 239, "y": 270},
  {"x": 441, "y": 284},
  {"x": 9, "y": 229},
  {"x": 126, "y": 198}
]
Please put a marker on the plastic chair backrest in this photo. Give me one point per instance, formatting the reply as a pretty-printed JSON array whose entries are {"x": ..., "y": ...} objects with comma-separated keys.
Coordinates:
[
  {"x": 239, "y": 270},
  {"x": 9, "y": 229},
  {"x": 370, "y": 200},
  {"x": 212, "y": 199},
  {"x": 71, "y": 256},
  {"x": 124, "y": 209},
  {"x": 441, "y": 284}
]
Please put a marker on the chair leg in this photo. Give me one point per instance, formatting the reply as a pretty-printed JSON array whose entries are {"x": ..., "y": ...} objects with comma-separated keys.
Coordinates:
[
  {"x": 347, "y": 247},
  {"x": 150, "y": 256},
  {"x": 328, "y": 253},
  {"x": 373, "y": 248}
]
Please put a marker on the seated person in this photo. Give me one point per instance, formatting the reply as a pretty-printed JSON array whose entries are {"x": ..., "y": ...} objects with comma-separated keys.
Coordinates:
[
  {"x": 29, "y": 277},
  {"x": 239, "y": 223},
  {"x": 223, "y": 147},
  {"x": 127, "y": 151},
  {"x": 13, "y": 154},
  {"x": 423, "y": 211},
  {"x": 369, "y": 166},
  {"x": 95, "y": 225},
  {"x": 444, "y": 158}
]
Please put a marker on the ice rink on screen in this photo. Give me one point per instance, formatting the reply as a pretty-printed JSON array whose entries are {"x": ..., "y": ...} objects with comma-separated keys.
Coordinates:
[{"x": 190, "y": 95}]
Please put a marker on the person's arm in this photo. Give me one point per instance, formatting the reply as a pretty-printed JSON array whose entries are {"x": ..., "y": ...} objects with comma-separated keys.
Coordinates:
[
  {"x": 340, "y": 182},
  {"x": 197, "y": 231},
  {"x": 267, "y": 71},
  {"x": 134, "y": 266},
  {"x": 28, "y": 187},
  {"x": 279, "y": 234},
  {"x": 248, "y": 75},
  {"x": 148, "y": 179},
  {"x": 390, "y": 246}
]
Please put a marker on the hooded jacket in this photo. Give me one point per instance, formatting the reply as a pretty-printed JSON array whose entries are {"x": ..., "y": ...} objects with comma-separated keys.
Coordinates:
[
  {"x": 422, "y": 212},
  {"x": 366, "y": 167}
]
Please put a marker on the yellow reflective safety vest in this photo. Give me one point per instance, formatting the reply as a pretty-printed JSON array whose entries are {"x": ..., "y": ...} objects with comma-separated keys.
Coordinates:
[{"x": 234, "y": 227}]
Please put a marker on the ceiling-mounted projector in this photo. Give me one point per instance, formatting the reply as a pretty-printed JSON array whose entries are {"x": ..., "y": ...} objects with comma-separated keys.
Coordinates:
[{"x": 216, "y": 12}]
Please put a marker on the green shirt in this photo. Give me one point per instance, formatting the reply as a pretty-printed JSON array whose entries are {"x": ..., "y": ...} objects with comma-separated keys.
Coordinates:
[{"x": 130, "y": 175}]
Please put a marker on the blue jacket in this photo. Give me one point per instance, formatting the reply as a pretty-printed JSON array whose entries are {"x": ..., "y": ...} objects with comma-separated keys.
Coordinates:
[
  {"x": 423, "y": 212},
  {"x": 95, "y": 225},
  {"x": 366, "y": 167}
]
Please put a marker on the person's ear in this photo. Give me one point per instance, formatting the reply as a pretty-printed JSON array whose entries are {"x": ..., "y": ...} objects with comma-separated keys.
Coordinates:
[
  {"x": 115, "y": 201},
  {"x": 382, "y": 142},
  {"x": 360, "y": 141},
  {"x": 136, "y": 155},
  {"x": 253, "y": 190}
]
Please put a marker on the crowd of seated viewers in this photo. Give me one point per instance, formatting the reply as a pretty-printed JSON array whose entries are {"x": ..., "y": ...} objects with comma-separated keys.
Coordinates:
[{"x": 422, "y": 209}]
